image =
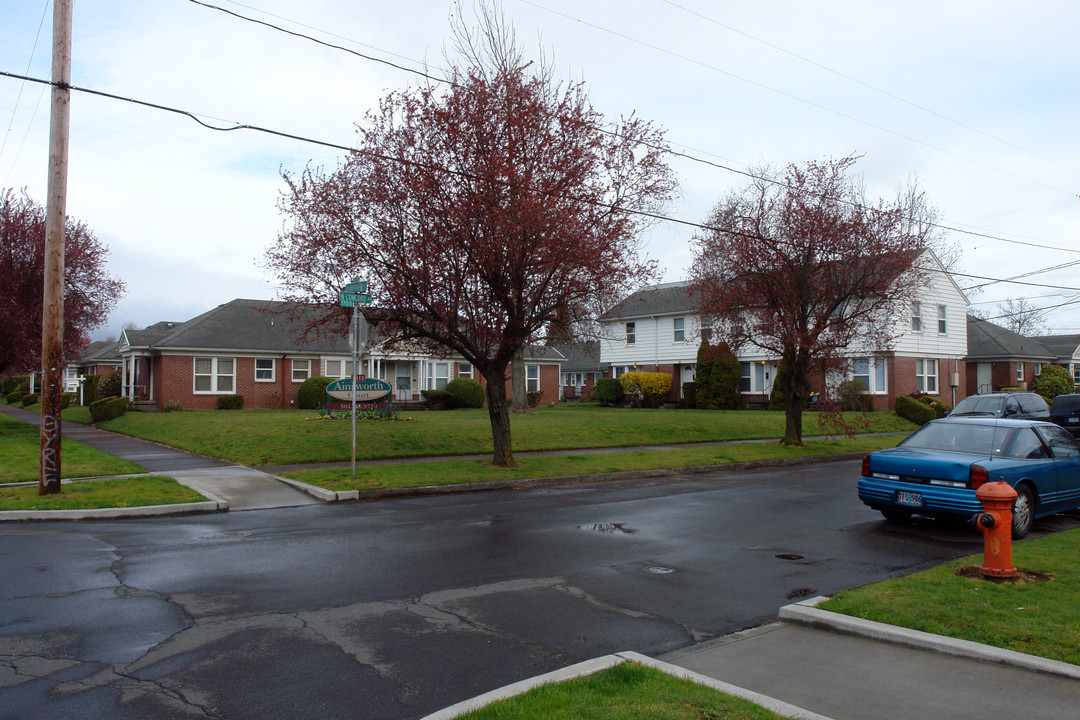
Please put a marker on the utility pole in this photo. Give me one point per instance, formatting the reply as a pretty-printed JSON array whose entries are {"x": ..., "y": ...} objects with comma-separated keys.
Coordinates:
[{"x": 52, "y": 325}]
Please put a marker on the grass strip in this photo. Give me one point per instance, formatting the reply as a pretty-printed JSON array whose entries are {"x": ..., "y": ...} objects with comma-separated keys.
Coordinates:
[
  {"x": 118, "y": 493},
  {"x": 1038, "y": 618},
  {"x": 452, "y": 472},
  {"x": 624, "y": 692},
  {"x": 20, "y": 456},
  {"x": 283, "y": 437}
]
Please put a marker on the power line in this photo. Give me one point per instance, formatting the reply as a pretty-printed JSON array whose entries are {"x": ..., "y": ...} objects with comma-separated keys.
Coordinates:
[{"x": 18, "y": 98}]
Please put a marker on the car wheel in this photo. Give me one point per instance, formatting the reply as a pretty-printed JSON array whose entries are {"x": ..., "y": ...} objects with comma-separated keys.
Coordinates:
[
  {"x": 896, "y": 516},
  {"x": 1023, "y": 513}
]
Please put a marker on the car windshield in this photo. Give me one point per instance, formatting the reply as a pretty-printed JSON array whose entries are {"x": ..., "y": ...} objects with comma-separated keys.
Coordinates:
[
  {"x": 1066, "y": 403},
  {"x": 989, "y": 440},
  {"x": 976, "y": 405}
]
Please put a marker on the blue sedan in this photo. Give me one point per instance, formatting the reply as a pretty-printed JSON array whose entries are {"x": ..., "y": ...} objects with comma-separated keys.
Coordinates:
[{"x": 937, "y": 469}]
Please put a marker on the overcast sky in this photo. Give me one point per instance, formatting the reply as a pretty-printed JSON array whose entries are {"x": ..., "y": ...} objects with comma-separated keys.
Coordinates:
[{"x": 978, "y": 100}]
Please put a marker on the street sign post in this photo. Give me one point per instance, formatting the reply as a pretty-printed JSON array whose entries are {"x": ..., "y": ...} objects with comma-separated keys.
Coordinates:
[{"x": 355, "y": 295}]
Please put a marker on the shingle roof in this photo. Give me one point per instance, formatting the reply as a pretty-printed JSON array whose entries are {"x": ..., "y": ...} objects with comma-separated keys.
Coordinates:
[
  {"x": 667, "y": 299},
  {"x": 100, "y": 351},
  {"x": 581, "y": 356},
  {"x": 1063, "y": 346},
  {"x": 987, "y": 341}
]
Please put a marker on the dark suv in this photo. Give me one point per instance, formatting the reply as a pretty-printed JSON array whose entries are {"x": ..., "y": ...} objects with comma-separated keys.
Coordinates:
[
  {"x": 1066, "y": 412},
  {"x": 1016, "y": 405}
]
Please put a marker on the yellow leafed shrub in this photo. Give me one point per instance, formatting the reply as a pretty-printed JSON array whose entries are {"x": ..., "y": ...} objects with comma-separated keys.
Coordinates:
[{"x": 646, "y": 388}]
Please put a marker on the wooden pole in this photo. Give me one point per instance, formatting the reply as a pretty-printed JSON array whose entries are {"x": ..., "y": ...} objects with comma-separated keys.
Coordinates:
[{"x": 52, "y": 325}]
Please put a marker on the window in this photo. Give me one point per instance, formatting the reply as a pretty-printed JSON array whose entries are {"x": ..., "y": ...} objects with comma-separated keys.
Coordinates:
[
  {"x": 916, "y": 317},
  {"x": 631, "y": 333},
  {"x": 301, "y": 370},
  {"x": 337, "y": 368},
  {"x": 464, "y": 370},
  {"x": 942, "y": 319},
  {"x": 1076, "y": 373},
  {"x": 871, "y": 373},
  {"x": 680, "y": 330},
  {"x": 532, "y": 378},
  {"x": 1038, "y": 369},
  {"x": 214, "y": 375},
  {"x": 264, "y": 369},
  {"x": 1020, "y": 372},
  {"x": 438, "y": 375},
  {"x": 926, "y": 376},
  {"x": 744, "y": 381}
]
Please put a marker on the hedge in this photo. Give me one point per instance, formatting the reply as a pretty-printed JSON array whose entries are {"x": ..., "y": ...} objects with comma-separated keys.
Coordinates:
[
  {"x": 230, "y": 402},
  {"x": 29, "y": 399},
  {"x": 438, "y": 399},
  {"x": 911, "y": 409},
  {"x": 608, "y": 391},
  {"x": 646, "y": 389},
  {"x": 312, "y": 393},
  {"x": 110, "y": 385},
  {"x": 108, "y": 408},
  {"x": 468, "y": 393}
]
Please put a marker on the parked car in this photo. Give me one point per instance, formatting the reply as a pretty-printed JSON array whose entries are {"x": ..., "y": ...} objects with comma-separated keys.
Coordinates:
[
  {"x": 1018, "y": 405},
  {"x": 937, "y": 469},
  {"x": 1065, "y": 411}
]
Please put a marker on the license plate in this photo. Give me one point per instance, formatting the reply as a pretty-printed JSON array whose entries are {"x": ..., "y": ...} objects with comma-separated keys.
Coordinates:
[{"x": 912, "y": 499}]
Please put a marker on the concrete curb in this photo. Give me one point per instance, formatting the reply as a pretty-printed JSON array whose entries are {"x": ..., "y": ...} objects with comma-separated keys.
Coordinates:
[
  {"x": 590, "y": 667},
  {"x": 107, "y": 513},
  {"x": 558, "y": 480},
  {"x": 805, "y": 613}
]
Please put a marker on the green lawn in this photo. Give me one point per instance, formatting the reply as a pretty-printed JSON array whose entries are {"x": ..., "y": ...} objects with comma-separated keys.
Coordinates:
[
  {"x": 452, "y": 472},
  {"x": 122, "y": 492},
  {"x": 624, "y": 692},
  {"x": 1038, "y": 618},
  {"x": 281, "y": 437},
  {"x": 20, "y": 456}
]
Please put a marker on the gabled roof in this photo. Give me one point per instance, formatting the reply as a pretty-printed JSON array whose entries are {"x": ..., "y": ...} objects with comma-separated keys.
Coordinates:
[
  {"x": 581, "y": 355},
  {"x": 100, "y": 352},
  {"x": 1064, "y": 347},
  {"x": 987, "y": 341},
  {"x": 666, "y": 299}
]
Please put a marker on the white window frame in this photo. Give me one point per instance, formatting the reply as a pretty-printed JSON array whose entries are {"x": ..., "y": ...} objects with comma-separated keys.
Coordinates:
[
  {"x": 877, "y": 375},
  {"x": 216, "y": 375},
  {"x": 272, "y": 368},
  {"x": 916, "y": 316},
  {"x": 464, "y": 373},
  {"x": 678, "y": 333},
  {"x": 532, "y": 378},
  {"x": 926, "y": 379},
  {"x": 301, "y": 369},
  {"x": 1038, "y": 369},
  {"x": 344, "y": 366},
  {"x": 1020, "y": 371},
  {"x": 631, "y": 333},
  {"x": 943, "y": 319},
  {"x": 433, "y": 376}
]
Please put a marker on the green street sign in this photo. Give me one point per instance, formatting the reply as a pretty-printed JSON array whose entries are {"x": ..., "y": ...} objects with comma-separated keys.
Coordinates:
[
  {"x": 352, "y": 299},
  {"x": 356, "y": 286}
]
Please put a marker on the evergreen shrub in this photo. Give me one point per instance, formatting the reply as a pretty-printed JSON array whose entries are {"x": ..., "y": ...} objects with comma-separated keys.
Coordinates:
[
  {"x": 911, "y": 409},
  {"x": 108, "y": 408},
  {"x": 608, "y": 391},
  {"x": 468, "y": 393},
  {"x": 230, "y": 402},
  {"x": 312, "y": 393}
]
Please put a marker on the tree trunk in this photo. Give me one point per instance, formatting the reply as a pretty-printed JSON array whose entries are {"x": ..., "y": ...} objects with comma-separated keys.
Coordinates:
[
  {"x": 518, "y": 402},
  {"x": 795, "y": 390},
  {"x": 500, "y": 418}
]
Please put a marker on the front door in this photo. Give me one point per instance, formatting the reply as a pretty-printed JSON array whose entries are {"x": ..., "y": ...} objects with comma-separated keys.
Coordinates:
[{"x": 403, "y": 383}]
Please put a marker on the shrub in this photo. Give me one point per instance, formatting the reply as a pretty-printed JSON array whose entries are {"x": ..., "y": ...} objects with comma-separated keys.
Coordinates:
[
  {"x": 1054, "y": 380},
  {"x": 718, "y": 375},
  {"x": 532, "y": 398},
  {"x": 108, "y": 408},
  {"x": 171, "y": 407},
  {"x": 14, "y": 396},
  {"x": 776, "y": 396},
  {"x": 230, "y": 402},
  {"x": 13, "y": 383},
  {"x": 66, "y": 399},
  {"x": 29, "y": 399},
  {"x": 438, "y": 399},
  {"x": 646, "y": 389},
  {"x": 468, "y": 393},
  {"x": 90, "y": 388},
  {"x": 941, "y": 409},
  {"x": 852, "y": 396},
  {"x": 312, "y": 393},
  {"x": 608, "y": 391},
  {"x": 689, "y": 394},
  {"x": 110, "y": 385},
  {"x": 911, "y": 409}
]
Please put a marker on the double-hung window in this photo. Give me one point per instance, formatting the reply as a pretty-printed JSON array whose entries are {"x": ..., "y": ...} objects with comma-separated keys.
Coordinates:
[
  {"x": 464, "y": 370},
  {"x": 942, "y": 320},
  {"x": 631, "y": 333},
  {"x": 438, "y": 375},
  {"x": 301, "y": 370},
  {"x": 926, "y": 376},
  {"x": 679, "y": 334},
  {"x": 871, "y": 373},
  {"x": 264, "y": 369},
  {"x": 1020, "y": 372},
  {"x": 337, "y": 368},
  {"x": 215, "y": 375},
  {"x": 532, "y": 378},
  {"x": 744, "y": 381},
  {"x": 916, "y": 316}
]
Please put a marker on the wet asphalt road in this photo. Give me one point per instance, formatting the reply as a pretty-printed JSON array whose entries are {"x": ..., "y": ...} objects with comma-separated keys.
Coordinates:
[{"x": 397, "y": 608}]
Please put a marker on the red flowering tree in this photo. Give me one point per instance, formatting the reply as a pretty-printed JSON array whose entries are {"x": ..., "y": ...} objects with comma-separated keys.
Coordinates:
[
  {"x": 482, "y": 212},
  {"x": 802, "y": 268},
  {"x": 90, "y": 294}
]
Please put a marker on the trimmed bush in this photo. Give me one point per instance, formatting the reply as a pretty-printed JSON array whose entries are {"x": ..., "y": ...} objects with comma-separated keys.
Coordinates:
[
  {"x": 110, "y": 385},
  {"x": 13, "y": 383},
  {"x": 230, "y": 402},
  {"x": 911, "y": 409},
  {"x": 532, "y": 398},
  {"x": 941, "y": 409},
  {"x": 468, "y": 393},
  {"x": 608, "y": 391},
  {"x": 312, "y": 393},
  {"x": 646, "y": 389},
  {"x": 30, "y": 399},
  {"x": 689, "y": 394},
  {"x": 852, "y": 396},
  {"x": 1054, "y": 380},
  {"x": 67, "y": 398},
  {"x": 108, "y": 408},
  {"x": 14, "y": 396},
  {"x": 438, "y": 399}
]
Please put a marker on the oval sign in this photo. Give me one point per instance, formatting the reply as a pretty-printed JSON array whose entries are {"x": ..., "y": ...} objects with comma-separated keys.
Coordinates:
[{"x": 366, "y": 390}]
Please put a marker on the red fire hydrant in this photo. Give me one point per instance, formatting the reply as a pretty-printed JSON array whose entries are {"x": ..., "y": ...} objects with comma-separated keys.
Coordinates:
[{"x": 995, "y": 523}]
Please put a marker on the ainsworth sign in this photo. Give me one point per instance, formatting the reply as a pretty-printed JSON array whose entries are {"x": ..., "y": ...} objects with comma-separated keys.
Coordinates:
[{"x": 366, "y": 390}]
